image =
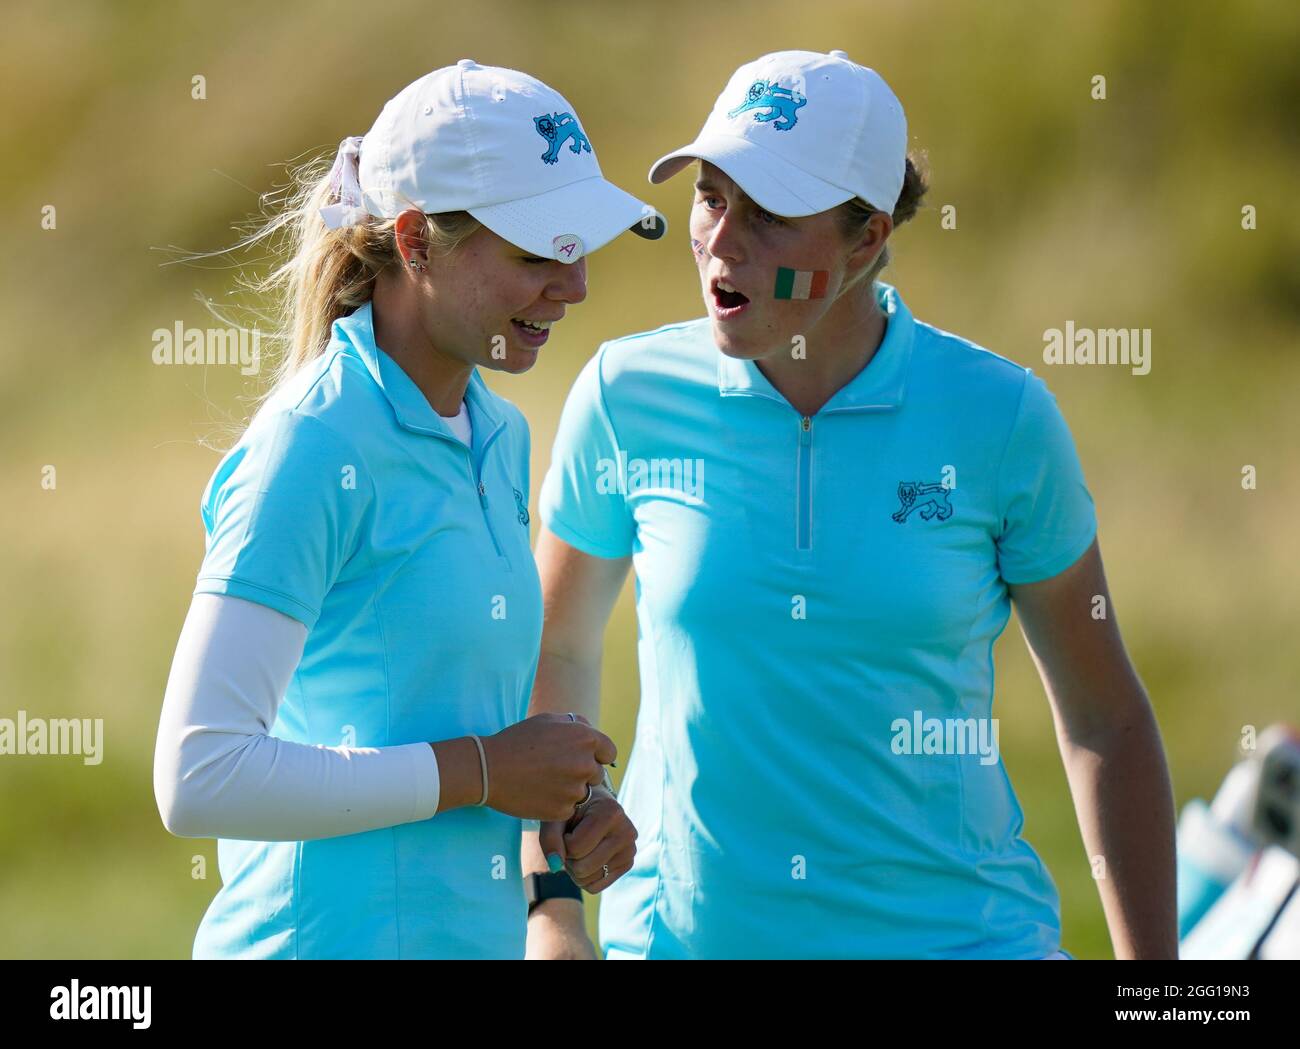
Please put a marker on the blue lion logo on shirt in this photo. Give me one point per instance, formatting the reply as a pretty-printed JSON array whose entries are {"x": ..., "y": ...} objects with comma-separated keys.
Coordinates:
[
  {"x": 930, "y": 499},
  {"x": 782, "y": 104},
  {"x": 520, "y": 506},
  {"x": 557, "y": 129}
]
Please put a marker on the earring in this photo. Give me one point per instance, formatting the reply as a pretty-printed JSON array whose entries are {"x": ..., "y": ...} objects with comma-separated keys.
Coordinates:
[{"x": 419, "y": 267}]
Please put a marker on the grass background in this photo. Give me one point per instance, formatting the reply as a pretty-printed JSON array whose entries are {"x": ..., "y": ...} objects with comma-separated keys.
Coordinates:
[{"x": 1117, "y": 213}]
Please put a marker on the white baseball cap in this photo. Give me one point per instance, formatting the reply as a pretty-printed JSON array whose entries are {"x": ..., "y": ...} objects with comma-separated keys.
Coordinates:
[
  {"x": 497, "y": 143},
  {"x": 801, "y": 132}
]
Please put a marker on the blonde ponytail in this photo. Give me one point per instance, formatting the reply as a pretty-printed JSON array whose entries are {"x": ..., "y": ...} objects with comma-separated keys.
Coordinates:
[{"x": 325, "y": 273}]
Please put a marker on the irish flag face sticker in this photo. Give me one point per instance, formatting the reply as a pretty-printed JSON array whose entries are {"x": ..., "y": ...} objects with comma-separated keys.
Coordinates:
[{"x": 801, "y": 284}]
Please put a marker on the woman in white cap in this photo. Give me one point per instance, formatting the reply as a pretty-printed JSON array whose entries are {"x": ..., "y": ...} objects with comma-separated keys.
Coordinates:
[
  {"x": 346, "y": 707},
  {"x": 830, "y": 507}
]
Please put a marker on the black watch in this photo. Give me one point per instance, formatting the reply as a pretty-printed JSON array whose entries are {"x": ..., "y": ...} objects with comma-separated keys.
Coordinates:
[{"x": 555, "y": 885}]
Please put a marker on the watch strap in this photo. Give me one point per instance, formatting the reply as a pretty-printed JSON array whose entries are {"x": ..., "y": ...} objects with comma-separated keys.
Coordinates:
[{"x": 550, "y": 886}]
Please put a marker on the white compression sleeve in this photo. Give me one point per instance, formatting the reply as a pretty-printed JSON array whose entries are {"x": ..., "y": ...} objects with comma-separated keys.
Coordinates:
[{"x": 218, "y": 774}]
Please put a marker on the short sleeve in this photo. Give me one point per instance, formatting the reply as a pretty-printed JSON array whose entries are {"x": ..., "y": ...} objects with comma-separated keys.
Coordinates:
[
  {"x": 1046, "y": 512},
  {"x": 582, "y": 500},
  {"x": 283, "y": 513}
]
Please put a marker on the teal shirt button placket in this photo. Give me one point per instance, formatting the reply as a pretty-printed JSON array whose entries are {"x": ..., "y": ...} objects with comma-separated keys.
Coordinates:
[
  {"x": 803, "y": 521},
  {"x": 487, "y": 518}
]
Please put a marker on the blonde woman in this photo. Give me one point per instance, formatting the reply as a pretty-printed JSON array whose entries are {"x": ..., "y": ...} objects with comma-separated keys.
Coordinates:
[
  {"x": 831, "y": 507},
  {"x": 346, "y": 707}
]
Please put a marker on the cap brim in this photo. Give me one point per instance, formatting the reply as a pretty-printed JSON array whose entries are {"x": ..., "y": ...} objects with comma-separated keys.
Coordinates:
[
  {"x": 771, "y": 181},
  {"x": 593, "y": 210}
]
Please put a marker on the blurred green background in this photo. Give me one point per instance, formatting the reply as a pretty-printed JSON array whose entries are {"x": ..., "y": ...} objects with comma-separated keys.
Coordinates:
[{"x": 1117, "y": 213}]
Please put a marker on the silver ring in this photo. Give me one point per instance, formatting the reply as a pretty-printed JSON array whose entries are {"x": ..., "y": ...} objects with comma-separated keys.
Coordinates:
[
  {"x": 572, "y": 716},
  {"x": 587, "y": 798}
]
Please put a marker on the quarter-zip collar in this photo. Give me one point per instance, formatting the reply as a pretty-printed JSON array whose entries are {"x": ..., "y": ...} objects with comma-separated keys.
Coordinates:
[
  {"x": 411, "y": 408},
  {"x": 882, "y": 384}
]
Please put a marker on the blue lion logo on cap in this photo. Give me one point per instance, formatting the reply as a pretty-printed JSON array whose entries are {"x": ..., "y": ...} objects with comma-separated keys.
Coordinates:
[
  {"x": 557, "y": 129},
  {"x": 782, "y": 104}
]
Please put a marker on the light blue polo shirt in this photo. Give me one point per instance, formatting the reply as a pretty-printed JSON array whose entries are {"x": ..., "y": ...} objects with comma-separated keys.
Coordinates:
[
  {"x": 351, "y": 506},
  {"x": 805, "y": 588}
]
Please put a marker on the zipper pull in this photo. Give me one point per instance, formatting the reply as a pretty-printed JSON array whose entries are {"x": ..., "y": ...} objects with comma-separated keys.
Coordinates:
[
  {"x": 482, "y": 493},
  {"x": 805, "y": 431}
]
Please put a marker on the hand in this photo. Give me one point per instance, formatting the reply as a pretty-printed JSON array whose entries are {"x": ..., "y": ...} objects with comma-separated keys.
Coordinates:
[
  {"x": 540, "y": 768},
  {"x": 599, "y": 836}
]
